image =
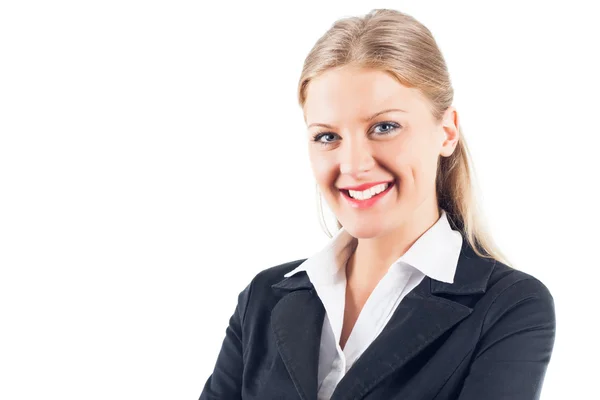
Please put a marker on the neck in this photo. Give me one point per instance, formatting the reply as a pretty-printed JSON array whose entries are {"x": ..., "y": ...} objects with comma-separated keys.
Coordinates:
[{"x": 373, "y": 256}]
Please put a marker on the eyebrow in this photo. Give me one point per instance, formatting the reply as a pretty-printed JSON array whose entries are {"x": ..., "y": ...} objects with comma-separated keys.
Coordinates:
[{"x": 364, "y": 119}]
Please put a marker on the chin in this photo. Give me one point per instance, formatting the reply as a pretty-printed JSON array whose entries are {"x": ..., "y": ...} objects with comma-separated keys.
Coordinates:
[{"x": 365, "y": 230}]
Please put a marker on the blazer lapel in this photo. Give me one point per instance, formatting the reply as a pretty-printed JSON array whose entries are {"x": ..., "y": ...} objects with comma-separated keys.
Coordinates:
[
  {"x": 421, "y": 317},
  {"x": 296, "y": 321}
]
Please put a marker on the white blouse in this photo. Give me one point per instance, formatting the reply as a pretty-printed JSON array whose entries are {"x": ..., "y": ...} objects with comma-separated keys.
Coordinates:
[{"x": 434, "y": 254}]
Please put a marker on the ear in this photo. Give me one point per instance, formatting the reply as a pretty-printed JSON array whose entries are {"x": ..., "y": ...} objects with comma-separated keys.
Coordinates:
[{"x": 450, "y": 124}]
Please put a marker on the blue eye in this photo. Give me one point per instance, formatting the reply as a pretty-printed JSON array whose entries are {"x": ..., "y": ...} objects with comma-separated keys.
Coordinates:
[
  {"x": 318, "y": 136},
  {"x": 392, "y": 126}
]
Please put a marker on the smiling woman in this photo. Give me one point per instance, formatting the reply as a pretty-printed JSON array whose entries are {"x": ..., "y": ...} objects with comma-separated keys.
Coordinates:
[
  {"x": 411, "y": 298},
  {"x": 380, "y": 131}
]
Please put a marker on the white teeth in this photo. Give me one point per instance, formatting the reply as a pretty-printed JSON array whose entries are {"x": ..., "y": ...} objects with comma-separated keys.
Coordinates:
[{"x": 367, "y": 194}]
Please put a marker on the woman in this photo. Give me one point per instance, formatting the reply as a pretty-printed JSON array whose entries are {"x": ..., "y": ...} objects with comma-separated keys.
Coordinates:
[{"x": 410, "y": 299}]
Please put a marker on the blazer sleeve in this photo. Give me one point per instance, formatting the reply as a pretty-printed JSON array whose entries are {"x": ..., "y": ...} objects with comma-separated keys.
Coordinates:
[
  {"x": 225, "y": 382},
  {"x": 514, "y": 351}
]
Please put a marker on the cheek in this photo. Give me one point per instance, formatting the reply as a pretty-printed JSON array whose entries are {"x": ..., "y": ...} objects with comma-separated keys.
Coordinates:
[
  {"x": 419, "y": 175},
  {"x": 322, "y": 167},
  {"x": 411, "y": 161},
  {"x": 402, "y": 165},
  {"x": 414, "y": 174}
]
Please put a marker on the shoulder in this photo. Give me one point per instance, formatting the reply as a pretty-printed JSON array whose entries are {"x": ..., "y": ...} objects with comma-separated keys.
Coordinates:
[
  {"x": 513, "y": 293},
  {"x": 271, "y": 275},
  {"x": 258, "y": 291},
  {"x": 505, "y": 278}
]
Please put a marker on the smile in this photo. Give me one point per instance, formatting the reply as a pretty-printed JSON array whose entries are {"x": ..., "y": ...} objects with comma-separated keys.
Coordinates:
[{"x": 366, "y": 198}]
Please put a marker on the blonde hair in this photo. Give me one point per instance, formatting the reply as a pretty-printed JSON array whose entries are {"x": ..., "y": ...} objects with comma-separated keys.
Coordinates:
[{"x": 397, "y": 43}]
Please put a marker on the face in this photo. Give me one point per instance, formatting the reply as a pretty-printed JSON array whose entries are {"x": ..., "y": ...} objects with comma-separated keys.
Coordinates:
[{"x": 365, "y": 129}]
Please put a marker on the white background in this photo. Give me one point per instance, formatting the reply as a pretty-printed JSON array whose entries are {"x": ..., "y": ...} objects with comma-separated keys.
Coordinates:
[{"x": 153, "y": 160}]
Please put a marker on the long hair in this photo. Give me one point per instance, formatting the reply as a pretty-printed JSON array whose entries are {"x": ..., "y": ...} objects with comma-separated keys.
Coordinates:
[{"x": 397, "y": 43}]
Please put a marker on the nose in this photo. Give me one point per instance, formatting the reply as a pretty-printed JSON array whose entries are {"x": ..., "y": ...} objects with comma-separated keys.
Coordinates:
[{"x": 355, "y": 158}]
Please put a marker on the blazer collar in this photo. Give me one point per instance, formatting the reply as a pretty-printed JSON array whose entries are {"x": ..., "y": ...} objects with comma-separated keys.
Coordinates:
[{"x": 421, "y": 317}]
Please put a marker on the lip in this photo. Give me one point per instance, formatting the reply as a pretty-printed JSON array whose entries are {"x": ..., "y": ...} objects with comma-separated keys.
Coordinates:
[
  {"x": 364, "y": 186},
  {"x": 362, "y": 204}
]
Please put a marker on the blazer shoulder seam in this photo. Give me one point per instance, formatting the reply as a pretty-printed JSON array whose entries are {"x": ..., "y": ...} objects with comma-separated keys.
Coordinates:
[{"x": 523, "y": 277}]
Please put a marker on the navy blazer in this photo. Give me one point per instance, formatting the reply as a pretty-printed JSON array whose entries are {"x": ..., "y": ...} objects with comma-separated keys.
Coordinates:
[{"x": 489, "y": 335}]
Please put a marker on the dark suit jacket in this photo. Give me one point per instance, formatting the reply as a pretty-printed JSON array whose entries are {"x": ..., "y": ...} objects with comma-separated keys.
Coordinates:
[{"x": 489, "y": 335}]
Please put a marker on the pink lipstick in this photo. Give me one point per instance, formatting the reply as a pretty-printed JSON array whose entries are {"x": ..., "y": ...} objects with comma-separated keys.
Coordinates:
[{"x": 365, "y": 203}]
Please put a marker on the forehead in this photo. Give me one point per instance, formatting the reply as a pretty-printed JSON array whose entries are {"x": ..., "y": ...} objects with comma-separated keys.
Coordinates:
[{"x": 352, "y": 93}]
